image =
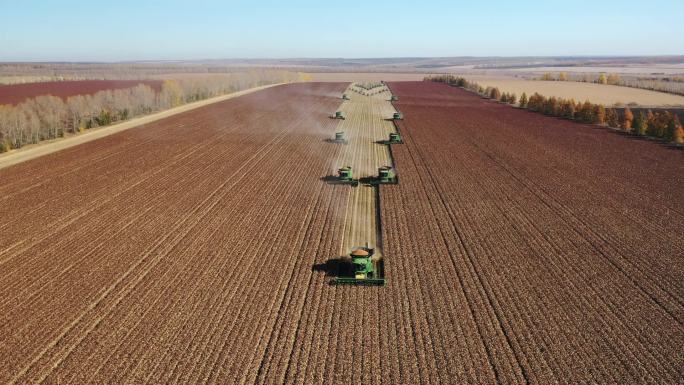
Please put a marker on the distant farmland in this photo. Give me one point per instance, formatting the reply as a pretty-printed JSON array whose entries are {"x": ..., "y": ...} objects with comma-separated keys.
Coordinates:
[
  {"x": 364, "y": 76},
  {"x": 17, "y": 93},
  {"x": 607, "y": 95}
]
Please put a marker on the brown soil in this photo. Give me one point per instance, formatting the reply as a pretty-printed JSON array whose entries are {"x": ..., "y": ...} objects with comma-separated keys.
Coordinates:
[
  {"x": 554, "y": 250},
  {"x": 130, "y": 243}
]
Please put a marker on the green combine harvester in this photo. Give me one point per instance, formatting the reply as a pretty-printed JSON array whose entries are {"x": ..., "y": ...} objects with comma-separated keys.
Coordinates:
[
  {"x": 395, "y": 138},
  {"x": 345, "y": 175},
  {"x": 386, "y": 175},
  {"x": 363, "y": 269},
  {"x": 345, "y": 97},
  {"x": 339, "y": 138},
  {"x": 393, "y": 98},
  {"x": 397, "y": 116},
  {"x": 339, "y": 115}
]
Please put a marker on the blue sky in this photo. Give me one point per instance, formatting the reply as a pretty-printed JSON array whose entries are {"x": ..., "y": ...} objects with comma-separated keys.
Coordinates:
[{"x": 138, "y": 30}]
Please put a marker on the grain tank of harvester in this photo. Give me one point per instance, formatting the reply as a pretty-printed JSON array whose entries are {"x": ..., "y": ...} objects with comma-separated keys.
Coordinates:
[{"x": 363, "y": 269}]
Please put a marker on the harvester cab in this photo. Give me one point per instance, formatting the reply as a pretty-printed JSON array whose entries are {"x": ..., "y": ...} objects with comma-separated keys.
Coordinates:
[
  {"x": 338, "y": 115},
  {"x": 363, "y": 268}
]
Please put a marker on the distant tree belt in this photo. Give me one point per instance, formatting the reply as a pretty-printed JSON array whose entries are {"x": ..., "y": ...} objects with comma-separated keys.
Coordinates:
[
  {"x": 49, "y": 117},
  {"x": 670, "y": 85},
  {"x": 660, "y": 124}
]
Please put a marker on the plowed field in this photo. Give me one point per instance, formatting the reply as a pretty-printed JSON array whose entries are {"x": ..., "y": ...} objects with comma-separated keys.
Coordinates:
[
  {"x": 168, "y": 252},
  {"x": 553, "y": 251},
  {"x": 17, "y": 93},
  {"x": 517, "y": 248}
]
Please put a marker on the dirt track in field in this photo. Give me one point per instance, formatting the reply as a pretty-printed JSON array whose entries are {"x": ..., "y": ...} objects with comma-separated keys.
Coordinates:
[
  {"x": 43, "y": 148},
  {"x": 518, "y": 248}
]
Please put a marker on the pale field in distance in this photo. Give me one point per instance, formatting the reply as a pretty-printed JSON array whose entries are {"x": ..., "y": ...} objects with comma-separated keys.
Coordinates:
[
  {"x": 596, "y": 93},
  {"x": 667, "y": 69},
  {"x": 364, "y": 76}
]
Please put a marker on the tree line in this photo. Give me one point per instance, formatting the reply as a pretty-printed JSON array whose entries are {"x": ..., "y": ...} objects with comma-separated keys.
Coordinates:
[
  {"x": 661, "y": 124},
  {"x": 49, "y": 117},
  {"x": 671, "y": 85}
]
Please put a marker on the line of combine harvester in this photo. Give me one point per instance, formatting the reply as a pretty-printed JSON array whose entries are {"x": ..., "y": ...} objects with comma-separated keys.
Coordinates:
[{"x": 364, "y": 269}]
